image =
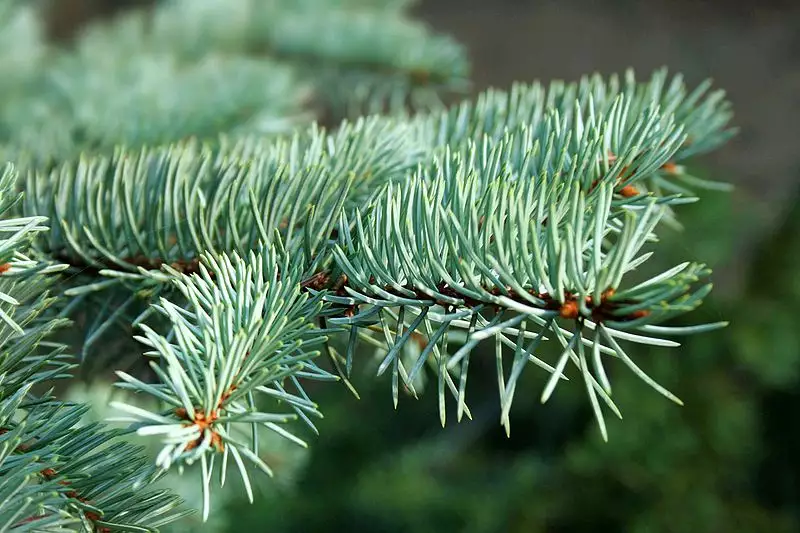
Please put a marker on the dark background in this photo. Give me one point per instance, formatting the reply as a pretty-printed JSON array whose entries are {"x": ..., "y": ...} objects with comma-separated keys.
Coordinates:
[{"x": 727, "y": 461}]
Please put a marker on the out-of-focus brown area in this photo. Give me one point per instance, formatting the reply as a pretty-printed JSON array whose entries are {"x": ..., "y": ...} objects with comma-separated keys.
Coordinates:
[{"x": 67, "y": 16}]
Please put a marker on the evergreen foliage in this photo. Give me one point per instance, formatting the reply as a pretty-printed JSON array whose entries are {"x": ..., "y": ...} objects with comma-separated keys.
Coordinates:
[
  {"x": 56, "y": 472},
  {"x": 187, "y": 195}
]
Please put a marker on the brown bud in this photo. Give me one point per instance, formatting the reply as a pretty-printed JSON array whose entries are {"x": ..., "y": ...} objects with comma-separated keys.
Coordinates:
[
  {"x": 569, "y": 309},
  {"x": 629, "y": 191}
]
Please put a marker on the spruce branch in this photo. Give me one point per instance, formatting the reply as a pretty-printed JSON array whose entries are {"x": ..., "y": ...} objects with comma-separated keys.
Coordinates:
[
  {"x": 159, "y": 206},
  {"x": 246, "y": 332},
  {"x": 360, "y": 56},
  {"x": 96, "y": 103},
  {"x": 450, "y": 244},
  {"x": 182, "y": 206},
  {"x": 555, "y": 172},
  {"x": 55, "y": 471},
  {"x": 385, "y": 63},
  {"x": 531, "y": 147},
  {"x": 442, "y": 232},
  {"x": 22, "y": 45},
  {"x": 205, "y": 67},
  {"x": 165, "y": 205},
  {"x": 703, "y": 115}
]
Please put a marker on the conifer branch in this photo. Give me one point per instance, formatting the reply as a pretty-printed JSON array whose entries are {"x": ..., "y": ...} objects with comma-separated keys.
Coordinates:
[
  {"x": 244, "y": 334},
  {"x": 361, "y": 57},
  {"x": 54, "y": 470},
  {"x": 520, "y": 239},
  {"x": 206, "y": 198},
  {"x": 242, "y": 252}
]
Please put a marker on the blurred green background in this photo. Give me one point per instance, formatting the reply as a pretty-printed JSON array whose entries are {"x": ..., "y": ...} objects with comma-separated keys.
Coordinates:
[{"x": 728, "y": 460}]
